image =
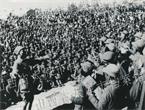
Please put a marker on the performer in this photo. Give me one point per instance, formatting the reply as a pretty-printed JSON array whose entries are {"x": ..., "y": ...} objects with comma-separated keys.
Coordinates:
[{"x": 22, "y": 70}]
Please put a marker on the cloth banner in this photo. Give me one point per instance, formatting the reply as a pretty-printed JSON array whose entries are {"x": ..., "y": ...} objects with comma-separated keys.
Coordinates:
[
  {"x": 57, "y": 97},
  {"x": 50, "y": 100}
]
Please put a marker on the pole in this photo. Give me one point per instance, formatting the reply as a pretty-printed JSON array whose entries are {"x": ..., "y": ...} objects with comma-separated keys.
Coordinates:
[{"x": 142, "y": 98}]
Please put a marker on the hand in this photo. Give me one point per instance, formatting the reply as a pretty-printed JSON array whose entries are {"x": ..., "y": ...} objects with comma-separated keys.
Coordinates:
[
  {"x": 89, "y": 92},
  {"x": 18, "y": 94},
  {"x": 13, "y": 75}
]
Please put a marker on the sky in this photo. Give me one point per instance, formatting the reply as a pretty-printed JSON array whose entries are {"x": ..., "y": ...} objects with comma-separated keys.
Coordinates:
[
  {"x": 19, "y": 7},
  {"x": 35, "y": 3}
]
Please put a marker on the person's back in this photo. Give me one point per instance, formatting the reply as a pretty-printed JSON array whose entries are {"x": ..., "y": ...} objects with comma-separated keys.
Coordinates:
[
  {"x": 113, "y": 97},
  {"x": 135, "y": 92}
]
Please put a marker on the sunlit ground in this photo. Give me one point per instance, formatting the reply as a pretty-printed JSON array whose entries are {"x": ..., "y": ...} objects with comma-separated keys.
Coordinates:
[{"x": 19, "y": 7}]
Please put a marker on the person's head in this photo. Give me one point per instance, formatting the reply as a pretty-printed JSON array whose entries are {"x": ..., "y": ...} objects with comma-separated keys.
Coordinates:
[
  {"x": 111, "y": 71},
  {"x": 20, "y": 51},
  {"x": 107, "y": 57}
]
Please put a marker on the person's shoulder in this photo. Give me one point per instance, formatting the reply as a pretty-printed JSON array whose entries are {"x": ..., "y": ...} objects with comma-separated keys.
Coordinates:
[
  {"x": 18, "y": 60},
  {"x": 111, "y": 88},
  {"x": 108, "y": 89}
]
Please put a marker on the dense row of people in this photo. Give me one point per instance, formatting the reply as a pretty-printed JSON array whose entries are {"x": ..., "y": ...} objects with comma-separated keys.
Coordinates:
[{"x": 61, "y": 41}]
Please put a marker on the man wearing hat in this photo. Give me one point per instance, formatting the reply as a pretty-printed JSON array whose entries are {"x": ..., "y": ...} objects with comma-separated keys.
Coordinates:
[
  {"x": 112, "y": 96},
  {"x": 22, "y": 71},
  {"x": 137, "y": 85},
  {"x": 111, "y": 45},
  {"x": 23, "y": 63},
  {"x": 108, "y": 56},
  {"x": 124, "y": 60},
  {"x": 86, "y": 69},
  {"x": 138, "y": 45},
  {"x": 88, "y": 66}
]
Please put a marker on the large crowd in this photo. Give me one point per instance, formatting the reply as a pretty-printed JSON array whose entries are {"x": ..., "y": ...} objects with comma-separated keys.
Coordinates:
[{"x": 72, "y": 37}]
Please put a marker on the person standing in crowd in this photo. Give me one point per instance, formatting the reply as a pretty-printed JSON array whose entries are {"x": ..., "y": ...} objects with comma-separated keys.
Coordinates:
[
  {"x": 112, "y": 96},
  {"x": 58, "y": 77},
  {"x": 137, "y": 86},
  {"x": 11, "y": 90},
  {"x": 22, "y": 70}
]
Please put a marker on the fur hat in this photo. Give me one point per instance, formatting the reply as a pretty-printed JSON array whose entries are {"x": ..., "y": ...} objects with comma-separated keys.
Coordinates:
[
  {"x": 111, "y": 69},
  {"x": 107, "y": 56}
]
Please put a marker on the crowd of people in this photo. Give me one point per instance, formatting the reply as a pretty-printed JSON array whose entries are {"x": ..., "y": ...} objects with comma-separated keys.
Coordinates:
[{"x": 98, "y": 35}]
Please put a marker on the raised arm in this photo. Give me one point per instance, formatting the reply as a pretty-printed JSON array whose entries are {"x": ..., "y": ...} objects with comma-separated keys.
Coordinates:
[
  {"x": 43, "y": 58},
  {"x": 15, "y": 69}
]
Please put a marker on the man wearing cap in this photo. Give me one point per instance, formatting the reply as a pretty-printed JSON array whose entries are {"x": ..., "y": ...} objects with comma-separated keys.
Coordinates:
[
  {"x": 88, "y": 66},
  {"x": 137, "y": 85},
  {"x": 138, "y": 45},
  {"x": 112, "y": 95},
  {"x": 108, "y": 56},
  {"x": 22, "y": 63},
  {"x": 109, "y": 45},
  {"x": 22, "y": 71}
]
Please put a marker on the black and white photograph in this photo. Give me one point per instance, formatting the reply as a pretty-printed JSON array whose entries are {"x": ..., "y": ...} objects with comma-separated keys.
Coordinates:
[{"x": 72, "y": 54}]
